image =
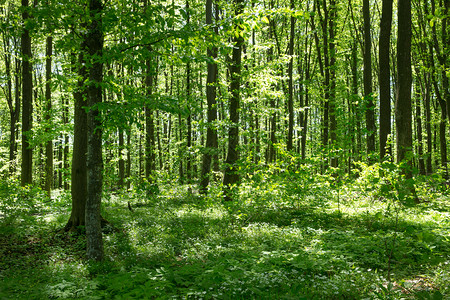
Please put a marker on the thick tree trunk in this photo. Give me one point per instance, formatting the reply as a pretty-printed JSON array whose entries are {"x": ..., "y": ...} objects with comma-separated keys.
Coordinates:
[
  {"x": 79, "y": 170},
  {"x": 231, "y": 176},
  {"x": 27, "y": 100},
  {"x": 48, "y": 115},
  {"x": 384, "y": 77},
  {"x": 211, "y": 81},
  {"x": 403, "y": 112},
  {"x": 94, "y": 42}
]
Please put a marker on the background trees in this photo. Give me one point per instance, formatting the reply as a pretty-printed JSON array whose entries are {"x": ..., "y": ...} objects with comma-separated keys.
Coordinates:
[{"x": 188, "y": 88}]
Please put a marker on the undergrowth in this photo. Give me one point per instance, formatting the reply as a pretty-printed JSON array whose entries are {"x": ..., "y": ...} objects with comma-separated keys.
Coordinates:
[{"x": 288, "y": 235}]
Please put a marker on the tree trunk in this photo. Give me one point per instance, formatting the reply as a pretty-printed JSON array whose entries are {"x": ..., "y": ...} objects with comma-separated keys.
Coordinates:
[
  {"x": 211, "y": 82},
  {"x": 332, "y": 84},
  {"x": 150, "y": 128},
  {"x": 188, "y": 125},
  {"x": 27, "y": 100},
  {"x": 94, "y": 42},
  {"x": 13, "y": 105},
  {"x": 79, "y": 170},
  {"x": 290, "y": 105},
  {"x": 128, "y": 167},
  {"x": 418, "y": 119},
  {"x": 384, "y": 77},
  {"x": 231, "y": 176},
  {"x": 65, "y": 159},
  {"x": 48, "y": 116},
  {"x": 121, "y": 159},
  {"x": 368, "y": 96},
  {"x": 427, "y": 91},
  {"x": 403, "y": 112}
]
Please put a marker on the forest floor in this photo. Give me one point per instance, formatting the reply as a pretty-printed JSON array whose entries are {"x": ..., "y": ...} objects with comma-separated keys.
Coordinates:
[{"x": 280, "y": 239}]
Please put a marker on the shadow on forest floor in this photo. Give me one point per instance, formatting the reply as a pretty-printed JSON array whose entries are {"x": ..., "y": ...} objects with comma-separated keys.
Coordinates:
[{"x": 183, "y": 245}]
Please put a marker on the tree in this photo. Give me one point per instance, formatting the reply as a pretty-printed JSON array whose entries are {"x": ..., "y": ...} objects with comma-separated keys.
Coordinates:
[
  {"x": 48, "y": 114},
  {"x": 79, "y": 168},
  {"x": 231, "y": 176},
  {"x": 290, "y": 81},
  {"x": 403, "y": 112},
  {"x": 368, "y": 96},
  {"x": 13, "y": 102},
  {"x": 27, "y": 99},
  {"x": 384, "y": 77},
  {"x": 211, "y": 81},
  {"x": 94, "y": 45}
]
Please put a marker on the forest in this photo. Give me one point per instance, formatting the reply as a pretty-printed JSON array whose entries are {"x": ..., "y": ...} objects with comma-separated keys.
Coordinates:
[{"x": 261, "y": 149}]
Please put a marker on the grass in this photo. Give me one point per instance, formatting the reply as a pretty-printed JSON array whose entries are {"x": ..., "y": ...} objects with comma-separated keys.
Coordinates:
[{"x": 273, "y": 242}]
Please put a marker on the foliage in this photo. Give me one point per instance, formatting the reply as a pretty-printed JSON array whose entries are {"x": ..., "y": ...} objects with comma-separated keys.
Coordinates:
[{"x": 285, "y": 237}]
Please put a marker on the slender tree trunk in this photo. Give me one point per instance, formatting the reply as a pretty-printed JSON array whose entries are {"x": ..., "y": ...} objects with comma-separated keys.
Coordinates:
[
  {"x": 384, "y": 77},
  {"x": 326, "y": 76},
  {"x": 419, "y": 130},
  {"x": 332, "y": 82},
  {"x": 158, "y": 141},
  {"x": 188, "y": 125},
  {"x": 27, "y": 100},
  {"x": 121, "y": 159},
  {"x": 272, "y": 153},
  {"x": 13, "y": 105},
  {"x": 128, "y": 168},
  {"x": 355, "y": 96},
  {"x": 150, "y": 128},
  {"x": 48, "y": 116},
  {"x": 427, "y": 89},
  {"x": 289, "y": 145},
  {"x": 231, "y": 176},
  {"x": 211, "y": 81},
  {"x": 94, "y": 43},
  {"x": 66, "y": 145},
  {"x": 368, "y": 96}
]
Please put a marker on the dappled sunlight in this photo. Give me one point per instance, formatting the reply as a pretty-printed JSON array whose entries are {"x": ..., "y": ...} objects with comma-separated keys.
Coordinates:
[{"x": 336, "y": 245}]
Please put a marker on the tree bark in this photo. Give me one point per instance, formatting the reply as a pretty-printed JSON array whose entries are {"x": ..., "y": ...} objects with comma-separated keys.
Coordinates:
[
  {"x": 27, "y": 100},
  {"x": 290, "y": 105},
  {"x": 94, "y": 42},
  {"x": 13, "y": 105},
  {"x": 121, "y": 159},
  {"x": 403, "y": 112},
  {"x": 418, "y": 119},
  {"x": 150, "y": 128},
  {"x": 231, "y": 176},
  {"x": 384, "y": 77},
  {"x": 211, "y": 81},
  {"x": 79, "y": 168},
  {"x": 368, "y": 96},
  {"x": 48, "y": 115},
  {"x": 332, "y": 84}
]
